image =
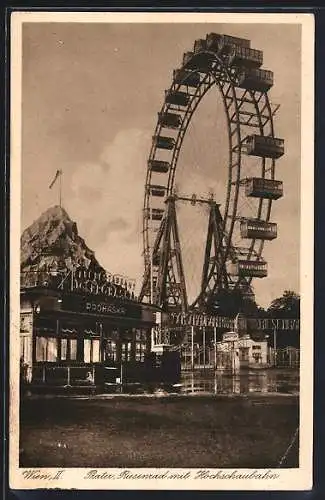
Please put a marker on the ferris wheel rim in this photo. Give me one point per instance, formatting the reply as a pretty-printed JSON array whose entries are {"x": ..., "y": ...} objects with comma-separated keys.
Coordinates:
[{"x": 182, "y": 133}]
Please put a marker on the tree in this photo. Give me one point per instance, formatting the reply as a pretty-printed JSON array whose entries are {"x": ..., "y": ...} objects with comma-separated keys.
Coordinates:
[
  {"x": 230, "y": 302},
  {"x": 288, "y": 305}
]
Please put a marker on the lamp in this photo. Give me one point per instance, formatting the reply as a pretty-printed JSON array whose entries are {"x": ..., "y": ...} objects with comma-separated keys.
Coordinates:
[{"x": 37, "y": 308}]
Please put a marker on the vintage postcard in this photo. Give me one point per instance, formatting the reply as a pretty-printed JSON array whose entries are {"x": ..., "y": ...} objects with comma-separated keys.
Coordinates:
[{"x": 161, "y": 248}]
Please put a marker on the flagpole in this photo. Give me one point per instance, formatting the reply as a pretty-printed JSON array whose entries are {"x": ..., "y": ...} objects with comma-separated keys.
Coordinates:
[
  {"x": 58, "y": 175},
  {"x": 60, "y": 190}
]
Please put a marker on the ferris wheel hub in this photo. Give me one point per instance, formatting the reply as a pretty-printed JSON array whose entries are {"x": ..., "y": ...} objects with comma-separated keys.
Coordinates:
[{"x": 193, "y": 199}]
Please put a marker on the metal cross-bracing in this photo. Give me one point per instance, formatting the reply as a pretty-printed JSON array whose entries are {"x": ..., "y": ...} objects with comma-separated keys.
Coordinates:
[
  {"x": 214, "y": 273},
  {"x": 238, "y": 228},
  {"x": 164, "y": 278},
  {"x": 170, "y": 286}
]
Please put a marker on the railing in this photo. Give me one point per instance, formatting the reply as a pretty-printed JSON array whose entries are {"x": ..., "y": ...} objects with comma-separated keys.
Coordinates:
[
  {"x": 210, "y": 359},
  {"x": 111, "y": 377},
  {"x": 66, "y": 376},
  {"x": 287, "y": 357}
]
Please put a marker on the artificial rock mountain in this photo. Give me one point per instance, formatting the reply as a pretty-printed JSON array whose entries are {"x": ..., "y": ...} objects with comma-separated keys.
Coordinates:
[{"x": 54, "y": 237}]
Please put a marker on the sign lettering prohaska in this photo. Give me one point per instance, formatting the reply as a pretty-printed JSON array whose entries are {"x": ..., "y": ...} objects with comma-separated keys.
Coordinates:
[
  {"x": 103, "y": 308},
  {"x": 93, "y": 305}
]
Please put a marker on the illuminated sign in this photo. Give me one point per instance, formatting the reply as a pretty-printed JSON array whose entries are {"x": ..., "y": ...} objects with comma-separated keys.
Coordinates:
[
  {"x": 182, "y": 319},
  {"x": 204, "y": 320},
  {"x": 80, "y": 280},
  {"x": 99, "y": 284},
  {"x": 277, "y": 324}
]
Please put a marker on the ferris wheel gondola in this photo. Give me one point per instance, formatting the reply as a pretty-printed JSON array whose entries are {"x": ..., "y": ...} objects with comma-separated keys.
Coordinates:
[{"x": 235, "y": 240}]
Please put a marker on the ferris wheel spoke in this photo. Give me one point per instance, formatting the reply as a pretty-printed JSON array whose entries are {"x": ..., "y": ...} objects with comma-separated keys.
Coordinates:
[{"x": 230, "y": 65}]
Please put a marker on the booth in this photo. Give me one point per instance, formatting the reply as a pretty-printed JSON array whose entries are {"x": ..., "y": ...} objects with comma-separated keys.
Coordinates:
[{"x": 82, "y": 335}]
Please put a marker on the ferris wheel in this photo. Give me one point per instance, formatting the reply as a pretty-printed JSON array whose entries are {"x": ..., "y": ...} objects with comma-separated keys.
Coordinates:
[{"x": 237, "y": 228}]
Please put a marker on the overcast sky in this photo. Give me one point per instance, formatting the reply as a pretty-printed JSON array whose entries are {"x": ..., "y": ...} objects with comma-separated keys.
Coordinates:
[{"x": 91, "y": 93}]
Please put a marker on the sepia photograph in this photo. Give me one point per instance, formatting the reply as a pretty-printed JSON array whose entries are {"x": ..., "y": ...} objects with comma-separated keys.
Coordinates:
[{"x": 161, "y": 251}]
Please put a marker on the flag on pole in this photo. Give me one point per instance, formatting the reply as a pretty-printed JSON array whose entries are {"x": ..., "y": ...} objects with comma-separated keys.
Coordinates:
[{"x": 57, "y": 175}]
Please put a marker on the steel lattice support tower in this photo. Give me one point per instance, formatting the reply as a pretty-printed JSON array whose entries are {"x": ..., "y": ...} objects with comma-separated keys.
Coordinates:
[
  {"x": 165, "y": 277},
  {"x": 213, "y": 274}
]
